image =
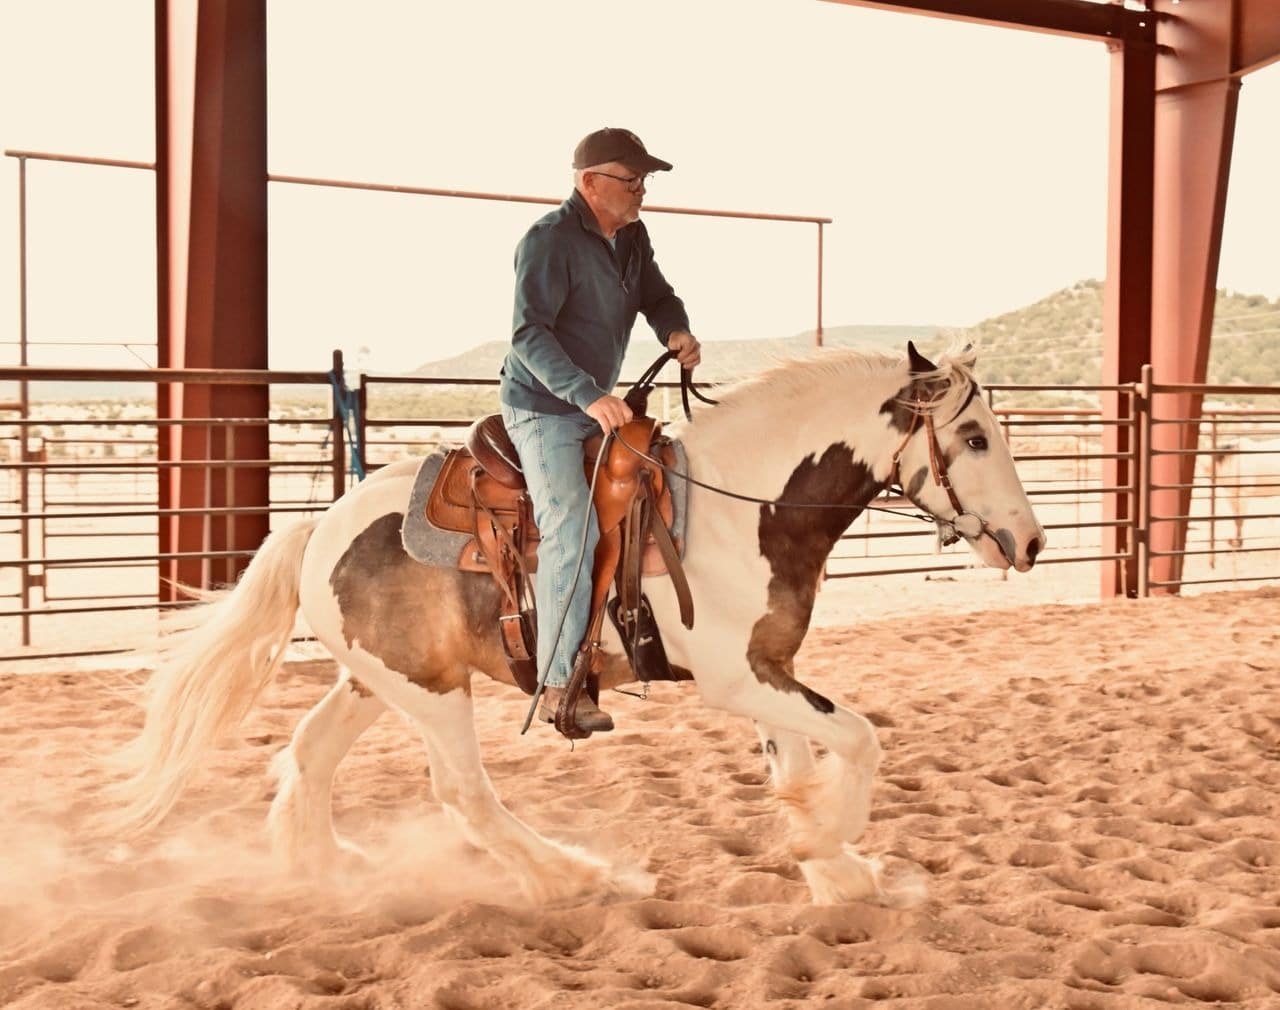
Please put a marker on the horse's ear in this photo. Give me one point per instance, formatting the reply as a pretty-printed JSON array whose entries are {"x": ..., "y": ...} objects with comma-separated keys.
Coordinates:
[{"x": 919, "y": 363}]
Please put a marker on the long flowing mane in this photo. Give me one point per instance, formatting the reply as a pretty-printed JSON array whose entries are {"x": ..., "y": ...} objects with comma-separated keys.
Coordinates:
[
  {"x": 795, "y": 379},
  {"x": 950, "y": 381}
]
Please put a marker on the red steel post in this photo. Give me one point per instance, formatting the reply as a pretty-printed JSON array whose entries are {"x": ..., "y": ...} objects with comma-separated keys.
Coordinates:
[
  {"x": 211, "y": 178},
  {"x": 1197, "y": 93},
  {"x": 1126, "y": 309}
]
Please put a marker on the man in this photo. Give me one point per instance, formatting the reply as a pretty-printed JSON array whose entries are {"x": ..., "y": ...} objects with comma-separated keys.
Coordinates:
[{"x": 582, "y": 273}]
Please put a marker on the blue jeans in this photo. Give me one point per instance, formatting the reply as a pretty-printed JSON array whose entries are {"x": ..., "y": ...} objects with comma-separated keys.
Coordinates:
[{"x": 551, "y": 454}]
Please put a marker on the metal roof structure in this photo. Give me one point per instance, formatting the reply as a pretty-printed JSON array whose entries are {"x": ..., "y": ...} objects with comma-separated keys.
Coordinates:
[{"x": 1176, "y": 69}]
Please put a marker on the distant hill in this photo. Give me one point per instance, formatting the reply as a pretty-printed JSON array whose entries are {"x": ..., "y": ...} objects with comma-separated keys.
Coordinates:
[
  {"x": 721, "y": 359},
  {"x": 1058, "y": 340},
  {"x": 1054, "y": 341}
]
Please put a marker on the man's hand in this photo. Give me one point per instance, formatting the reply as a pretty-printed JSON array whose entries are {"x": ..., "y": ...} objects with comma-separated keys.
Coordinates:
[
  {"x": 610, "y": 412},
  {"x": 688, "y": 350}
]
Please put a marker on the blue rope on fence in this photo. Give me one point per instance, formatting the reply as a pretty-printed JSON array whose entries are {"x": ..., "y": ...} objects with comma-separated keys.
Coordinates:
[{"x": 348, "y": 403}]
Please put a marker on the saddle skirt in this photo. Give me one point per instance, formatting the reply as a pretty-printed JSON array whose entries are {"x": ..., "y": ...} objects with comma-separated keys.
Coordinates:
[{"x": 441, "y": 526}]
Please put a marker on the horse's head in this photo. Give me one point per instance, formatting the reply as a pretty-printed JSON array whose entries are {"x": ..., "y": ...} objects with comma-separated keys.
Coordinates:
[{"x": 954, "y": 463}]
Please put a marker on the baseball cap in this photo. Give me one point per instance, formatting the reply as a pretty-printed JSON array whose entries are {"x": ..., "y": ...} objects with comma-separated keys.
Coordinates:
[{"x": 615, "y": 144}]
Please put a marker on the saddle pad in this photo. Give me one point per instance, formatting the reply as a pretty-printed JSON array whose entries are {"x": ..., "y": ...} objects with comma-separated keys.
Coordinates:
[
  {"x": 431, "y": 545},
  {"x": 423, "y": 541}
]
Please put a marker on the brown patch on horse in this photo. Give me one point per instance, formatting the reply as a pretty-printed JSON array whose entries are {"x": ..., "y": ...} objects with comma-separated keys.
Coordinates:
[
  {"x": 901, "y": 416},
  {"x": 916, "y": 484},
  {"x": 431, "y": 624},
  {"x": 796, "y": 542}
]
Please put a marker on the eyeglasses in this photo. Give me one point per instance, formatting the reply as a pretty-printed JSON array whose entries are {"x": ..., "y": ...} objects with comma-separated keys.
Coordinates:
[{"x": 634, "y": 183}]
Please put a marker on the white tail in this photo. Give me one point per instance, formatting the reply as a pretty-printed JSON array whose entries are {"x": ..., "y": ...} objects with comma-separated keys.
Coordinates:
[{"x": 208, "y": 678}]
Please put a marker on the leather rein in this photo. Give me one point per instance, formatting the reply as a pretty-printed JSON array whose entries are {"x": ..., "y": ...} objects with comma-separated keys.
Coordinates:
[{"x": 950, "y": 530}]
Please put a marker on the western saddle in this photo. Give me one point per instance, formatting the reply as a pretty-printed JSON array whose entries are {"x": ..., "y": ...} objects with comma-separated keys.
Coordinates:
[{"x": 481, "y": 492}]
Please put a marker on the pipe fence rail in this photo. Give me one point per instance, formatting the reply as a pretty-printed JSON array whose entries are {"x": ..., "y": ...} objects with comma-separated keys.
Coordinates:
[
  {"x": 1215, "y": 521},
  {"x": 80, "y": 507}
]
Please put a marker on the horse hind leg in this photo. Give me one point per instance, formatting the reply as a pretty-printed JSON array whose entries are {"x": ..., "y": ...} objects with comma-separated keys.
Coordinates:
[
  {"x": 547, "y": 870},
  {"x": 300, "y": 821}
]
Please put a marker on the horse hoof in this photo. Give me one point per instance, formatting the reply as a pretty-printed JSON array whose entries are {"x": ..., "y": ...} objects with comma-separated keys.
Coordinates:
[
  {"x": 851, "y": 877},
  {"x": 351, "y": 859},
  {"x": 633, "y": 882}
]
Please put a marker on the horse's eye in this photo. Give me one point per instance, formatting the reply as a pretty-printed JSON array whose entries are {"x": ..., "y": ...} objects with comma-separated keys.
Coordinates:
[{"x": 978, "y": 442}]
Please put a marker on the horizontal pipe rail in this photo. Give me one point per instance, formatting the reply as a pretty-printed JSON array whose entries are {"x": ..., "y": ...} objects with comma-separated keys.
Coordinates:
[
  {"x": 160, "y": 422},
  {"x": 32, "y": 657},
  {"x": 76, "y": 159},
  {"x": 173, "y": 464},
  {"x": 1233, "y": 551},
  {"x": 1165, "y": 388},
  {"x": 1214, "y": 451},
  {"x": 116, "y": 559},
  {"x": 1232, "y": 487},
  {"x": 226, "y": 510},
  {"x": 465, "y": 194},
  {"x": 1216, "y": 517},
  {"x": 1167, "y": 584},
  {"x": 194, "y": 376},
  {"x": 112, "y": 608}
]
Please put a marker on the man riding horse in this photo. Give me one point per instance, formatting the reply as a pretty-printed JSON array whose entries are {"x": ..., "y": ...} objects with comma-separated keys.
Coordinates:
[{"x": 583, "y": 271}]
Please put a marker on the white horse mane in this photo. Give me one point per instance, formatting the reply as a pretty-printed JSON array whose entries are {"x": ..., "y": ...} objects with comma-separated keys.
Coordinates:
[{"x": 801, "y": 377}]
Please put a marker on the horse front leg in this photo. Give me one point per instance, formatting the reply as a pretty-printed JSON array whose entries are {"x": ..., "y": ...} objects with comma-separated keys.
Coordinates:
[
  {"x": 828, "y": 802},
  {"x": 828, "y": 806}
]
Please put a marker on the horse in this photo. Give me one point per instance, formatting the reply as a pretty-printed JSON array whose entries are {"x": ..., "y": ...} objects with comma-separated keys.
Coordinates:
[
  {"x": 802, "y": 448},
  {"x": 1240, "y": 471}
]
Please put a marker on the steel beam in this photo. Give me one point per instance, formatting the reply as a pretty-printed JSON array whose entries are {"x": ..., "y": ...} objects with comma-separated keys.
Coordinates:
[
  {"x": 1105, "y": 22},
  {"x": 1126, "y": 317},
  {"x": 1207, "y": 47},
  {"x": 211, "y": 190},
  {"x": 1257, "y": 35},
  {"x": 1195, "y": 127}
]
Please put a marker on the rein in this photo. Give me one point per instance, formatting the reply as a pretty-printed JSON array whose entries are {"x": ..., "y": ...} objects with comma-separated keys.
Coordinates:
[
  {"x": 957, "y": 526},
  {"x": 638, "y": 394}
]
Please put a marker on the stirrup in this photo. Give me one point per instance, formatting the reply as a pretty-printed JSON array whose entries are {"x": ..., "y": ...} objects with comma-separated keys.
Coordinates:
[{"x": 588, "y": 717}]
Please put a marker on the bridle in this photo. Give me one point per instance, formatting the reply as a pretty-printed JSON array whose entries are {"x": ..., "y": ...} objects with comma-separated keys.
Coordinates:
[{"x": 964, "y": 523}]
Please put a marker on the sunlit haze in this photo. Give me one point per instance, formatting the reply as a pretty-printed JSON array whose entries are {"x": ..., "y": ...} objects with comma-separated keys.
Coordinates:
[{"x": 964, "y": 166}]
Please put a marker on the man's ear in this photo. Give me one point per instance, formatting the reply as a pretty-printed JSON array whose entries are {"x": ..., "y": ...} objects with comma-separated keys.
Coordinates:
[{"x": 919, "y": 363}]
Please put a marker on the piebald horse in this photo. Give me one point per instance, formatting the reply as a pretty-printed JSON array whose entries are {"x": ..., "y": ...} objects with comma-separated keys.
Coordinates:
[{"x": 830, "y": 431}]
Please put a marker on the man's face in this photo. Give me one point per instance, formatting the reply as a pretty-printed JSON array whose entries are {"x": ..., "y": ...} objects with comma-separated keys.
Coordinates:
[{"x": 619, "y": 191}]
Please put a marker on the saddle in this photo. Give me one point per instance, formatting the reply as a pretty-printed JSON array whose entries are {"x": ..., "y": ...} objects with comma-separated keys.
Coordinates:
[{"x": 481, "y": 492}]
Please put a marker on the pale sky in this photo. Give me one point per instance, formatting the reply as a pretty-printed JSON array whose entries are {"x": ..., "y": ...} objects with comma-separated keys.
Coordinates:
[{"x": 964, "y": 166}]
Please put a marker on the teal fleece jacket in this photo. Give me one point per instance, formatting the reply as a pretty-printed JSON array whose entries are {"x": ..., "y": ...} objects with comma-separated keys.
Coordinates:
[{"x": 576, "y": 299}]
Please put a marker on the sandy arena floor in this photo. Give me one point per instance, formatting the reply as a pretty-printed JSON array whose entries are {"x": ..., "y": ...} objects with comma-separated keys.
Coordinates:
[{"x": 1092, "y": 792}]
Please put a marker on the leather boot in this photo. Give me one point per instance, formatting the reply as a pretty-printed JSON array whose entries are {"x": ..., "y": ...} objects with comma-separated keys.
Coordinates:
[{"x": 587, "y": 714}]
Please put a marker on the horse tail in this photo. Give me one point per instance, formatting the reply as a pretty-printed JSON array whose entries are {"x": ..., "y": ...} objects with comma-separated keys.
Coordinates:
[{"x": 208, "y": 676}]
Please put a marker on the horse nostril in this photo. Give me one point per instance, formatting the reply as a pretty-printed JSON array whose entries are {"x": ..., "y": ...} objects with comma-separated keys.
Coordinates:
[{"x": 1033, "y": 549}]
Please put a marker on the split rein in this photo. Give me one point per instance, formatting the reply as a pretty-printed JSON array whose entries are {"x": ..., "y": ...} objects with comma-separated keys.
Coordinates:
[{"x": 638, "y": 395}]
